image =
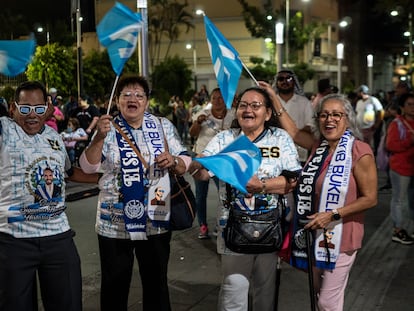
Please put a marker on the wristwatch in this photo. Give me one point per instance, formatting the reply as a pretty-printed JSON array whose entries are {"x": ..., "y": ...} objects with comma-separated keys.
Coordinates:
[{"x": 335, "y": 215}]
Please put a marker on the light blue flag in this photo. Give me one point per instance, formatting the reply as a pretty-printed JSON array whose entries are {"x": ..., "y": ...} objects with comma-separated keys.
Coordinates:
[
  {"x": 226, "y": 62},
  {"x": 236, "y": 164},
  {"x": 118, "y": 32},
  {"x": 15, "y": 55}
]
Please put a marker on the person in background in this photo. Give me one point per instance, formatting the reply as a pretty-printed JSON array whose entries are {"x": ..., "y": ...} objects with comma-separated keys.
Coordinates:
[
  {"x": 57, "y": 115},
  {"x": 36, "y": 241},
  {"x": 369, "y": 113},
  {"x": 127, "y": 223},
  {"x": 252, "y": 272},
  {"x": 206, "y": 124},
  {"x": 87, "y": 115},
  {"x": 338, "y": 147},
  {"x": 324, "y": 88},
  {"x": 400, "y": 143},
  {"x": 4, "y": 108},
  {"x": 203, "y": 95},
  {"x": 183, "y": 117},
  {"x": 71, "y": 136}
]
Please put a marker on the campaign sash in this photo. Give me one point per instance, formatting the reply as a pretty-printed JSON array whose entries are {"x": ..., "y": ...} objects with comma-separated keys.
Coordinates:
[
  {"x": 132, "y": 184},
  {"x": 334, "y": 189}
]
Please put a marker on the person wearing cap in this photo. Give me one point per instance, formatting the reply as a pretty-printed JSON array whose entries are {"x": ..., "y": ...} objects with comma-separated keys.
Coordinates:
[
  {"x": 369, "y": 113},
  {"x": 324, "y": 88}
]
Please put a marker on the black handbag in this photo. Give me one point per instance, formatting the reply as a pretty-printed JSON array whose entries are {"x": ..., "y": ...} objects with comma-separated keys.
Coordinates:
[
  {"x": 254, "y": 233},
  {"x": 183, "y": 206}
]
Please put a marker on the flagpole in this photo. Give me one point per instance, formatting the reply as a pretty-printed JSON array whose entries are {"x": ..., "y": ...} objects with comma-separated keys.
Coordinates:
[
  {"x": 112, "y": 94},
  {"x": 248, "y": 71}
]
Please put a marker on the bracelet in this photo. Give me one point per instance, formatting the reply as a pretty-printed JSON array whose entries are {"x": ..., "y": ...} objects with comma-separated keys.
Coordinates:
[
  {"x": 263, "y": 186},
  {"x": 279, "y": 113}
]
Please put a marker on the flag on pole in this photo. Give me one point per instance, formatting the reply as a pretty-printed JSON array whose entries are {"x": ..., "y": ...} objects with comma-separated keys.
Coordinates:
[
  {"x": 236, "y": 164},
  {"x": 15, "y": 55},
  {"x": 118, "y": 32},
  {"x": 226, "y": 62}
]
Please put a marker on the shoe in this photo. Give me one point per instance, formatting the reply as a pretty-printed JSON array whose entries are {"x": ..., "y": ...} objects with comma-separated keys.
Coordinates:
[
  {"x": 402, "y": 237},
  {"x": 203, "y": 232}
]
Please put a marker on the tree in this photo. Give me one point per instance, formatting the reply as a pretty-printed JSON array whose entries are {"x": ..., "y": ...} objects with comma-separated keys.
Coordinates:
[
  {"x": 170, "y": 77},
  {"x": 165, "y": 19},
  {"x": 98, "y": 75},
  {"x": 54, "y": 65},
  {"x": 260, "y": 26}
]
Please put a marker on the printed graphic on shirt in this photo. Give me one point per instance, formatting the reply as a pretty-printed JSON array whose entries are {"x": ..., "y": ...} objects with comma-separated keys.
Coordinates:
[{"x": 43, "y": 180}]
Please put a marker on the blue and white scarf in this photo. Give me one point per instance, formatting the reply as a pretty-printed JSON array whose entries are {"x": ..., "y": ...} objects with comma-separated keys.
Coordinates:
[
  {"x": 136, "y": 190},
  {"x": 334, "y": 189}
]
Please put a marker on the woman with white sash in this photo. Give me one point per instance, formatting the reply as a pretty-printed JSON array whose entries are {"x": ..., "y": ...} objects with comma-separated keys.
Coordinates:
[
  {"x": 131, "y": 151},
  {"x": 338, "y": 183}
]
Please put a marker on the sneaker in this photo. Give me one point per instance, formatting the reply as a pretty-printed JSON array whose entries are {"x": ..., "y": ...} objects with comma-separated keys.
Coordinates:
[
  {"x": 203, "y": 232},
  {"x": 402, "y": 237}
]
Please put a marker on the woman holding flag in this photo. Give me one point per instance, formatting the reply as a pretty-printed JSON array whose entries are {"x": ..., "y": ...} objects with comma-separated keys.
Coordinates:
[
  {"x": 132, "y": 152},
  {"x": 255, "y": 120},
  {"x": 338, "y": 183}
]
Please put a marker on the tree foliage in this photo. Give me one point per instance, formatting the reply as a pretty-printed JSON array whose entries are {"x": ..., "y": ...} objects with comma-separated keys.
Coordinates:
[
  {"x": 260, "y": 26},
  {"x": 165, "y": 20},
  {"x": 170, "y": 77},
  {"x": 53, "y": 65}
]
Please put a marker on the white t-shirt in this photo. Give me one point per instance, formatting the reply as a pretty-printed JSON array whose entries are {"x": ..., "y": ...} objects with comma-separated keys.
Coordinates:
[{"x": 366, "y": 111}]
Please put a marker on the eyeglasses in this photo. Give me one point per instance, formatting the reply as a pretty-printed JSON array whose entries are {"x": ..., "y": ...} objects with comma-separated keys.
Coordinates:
[
  {"x": 128, "y": 95},
  {"x": 27, "y": 109},
  {"x": 285, "y": 78},
  {"x": 336, "y": 116},
  {"x": 254, "y": 105}
]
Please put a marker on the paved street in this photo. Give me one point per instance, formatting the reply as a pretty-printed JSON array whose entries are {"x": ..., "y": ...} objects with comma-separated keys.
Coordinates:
[{"x": 381, "y": 279}]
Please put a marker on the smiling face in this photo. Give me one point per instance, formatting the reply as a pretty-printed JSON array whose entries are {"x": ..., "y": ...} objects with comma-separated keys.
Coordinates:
[
  {"x": 252, "y": 113},
  {"x": 32, "y": 122},
  {"x": 132, "y": 103},
  {"x": 333, "y": 120}
]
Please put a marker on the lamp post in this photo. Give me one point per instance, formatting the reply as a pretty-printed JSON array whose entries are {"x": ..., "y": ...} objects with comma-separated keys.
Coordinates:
[
  {"x": 287, "y": 5},
  {"x": 40, "y": 29},
  {"x": 79, "y": 50},
  {"x": 192, "y": 47},
  {"x": 279, "y": 42},
  {"x": 142, "y": 7},
  {"x": 370, "y": 64},
  {"x": 340, "y": 57}
]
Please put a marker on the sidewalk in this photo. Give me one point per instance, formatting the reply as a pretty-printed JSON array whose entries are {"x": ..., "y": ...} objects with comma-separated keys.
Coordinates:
[{"x": 380, "y": 280}]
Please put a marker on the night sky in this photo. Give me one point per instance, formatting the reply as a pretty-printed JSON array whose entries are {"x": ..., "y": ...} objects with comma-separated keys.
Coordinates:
[{"x": 48, "y": 11}]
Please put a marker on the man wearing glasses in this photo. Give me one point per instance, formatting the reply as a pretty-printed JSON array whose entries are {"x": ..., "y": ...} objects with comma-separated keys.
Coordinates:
[
  {"x": 36, "y": 241},
  {"x": 295, "y": 103}
]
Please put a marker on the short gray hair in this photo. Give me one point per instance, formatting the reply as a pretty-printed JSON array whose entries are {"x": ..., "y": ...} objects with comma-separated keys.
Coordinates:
[{"x": 349, "y": 111}]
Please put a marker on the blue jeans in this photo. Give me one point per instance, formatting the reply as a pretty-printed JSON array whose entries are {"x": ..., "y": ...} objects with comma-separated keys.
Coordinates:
[
  {"x": 201, "y": 189},
  {"x": 402, "y": 194}
]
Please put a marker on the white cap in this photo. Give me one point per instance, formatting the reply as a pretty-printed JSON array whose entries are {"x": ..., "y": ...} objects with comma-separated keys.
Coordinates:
[{"x": 52, "y": 90}]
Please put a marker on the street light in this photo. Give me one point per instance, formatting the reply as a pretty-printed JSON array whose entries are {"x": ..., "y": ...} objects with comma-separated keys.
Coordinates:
[
  {"x": 408, "y": 33},
  {"x": 189, "y": 46},
  {"x": 40, "y": 29},
  {"x": 370, "y": 64},
  {"x": 340, "y": 57},
  {"x": 279, "y": 42}
]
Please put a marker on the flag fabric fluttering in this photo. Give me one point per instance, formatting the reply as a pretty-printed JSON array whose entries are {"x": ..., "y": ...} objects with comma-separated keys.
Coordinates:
[
  {"x": 118, "y": 32},
  {"x": 15, "y": 55},
  {"x": 226, "y": 62},
  {"x": 236, "y": 164}
]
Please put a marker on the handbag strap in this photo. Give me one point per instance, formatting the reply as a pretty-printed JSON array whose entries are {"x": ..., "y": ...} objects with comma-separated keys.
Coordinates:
[{"x": 141, "y": 158}]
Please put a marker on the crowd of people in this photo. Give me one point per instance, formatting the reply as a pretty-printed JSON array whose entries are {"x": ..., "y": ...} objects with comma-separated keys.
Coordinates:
[{"x": 328, "y": 134}]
